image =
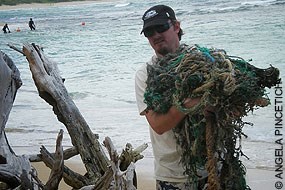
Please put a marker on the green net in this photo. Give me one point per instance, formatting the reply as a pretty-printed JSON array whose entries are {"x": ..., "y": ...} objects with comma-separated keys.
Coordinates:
[{"x": 229, "y": 84}]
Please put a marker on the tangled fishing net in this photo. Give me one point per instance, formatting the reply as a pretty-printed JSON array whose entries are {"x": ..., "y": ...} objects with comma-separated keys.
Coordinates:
[{"x": 229, "y": 84}]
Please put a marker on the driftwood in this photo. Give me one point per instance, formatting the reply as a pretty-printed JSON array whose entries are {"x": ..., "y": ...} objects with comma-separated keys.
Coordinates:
[
  {"x": 119, "y": 182},
  {"x": 57, "y": 169},
  {"x": 16, "y": 171},
  {"x": 12, "y": 166},
  {"x": 51, "y": 88}
]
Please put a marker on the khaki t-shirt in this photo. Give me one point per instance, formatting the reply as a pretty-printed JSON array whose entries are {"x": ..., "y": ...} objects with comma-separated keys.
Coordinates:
[{"x": 165, "y": 150}]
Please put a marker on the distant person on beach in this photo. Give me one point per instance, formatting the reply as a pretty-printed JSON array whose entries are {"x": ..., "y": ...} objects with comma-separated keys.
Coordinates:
[
  {"x": 6, "y": 28},
  {"x": 163, "y": 32},
  {"x": 32, "y": 24}
]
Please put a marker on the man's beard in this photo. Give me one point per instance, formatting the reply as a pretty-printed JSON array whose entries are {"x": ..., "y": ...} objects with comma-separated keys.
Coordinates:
[{"x": 163, "y": 51}]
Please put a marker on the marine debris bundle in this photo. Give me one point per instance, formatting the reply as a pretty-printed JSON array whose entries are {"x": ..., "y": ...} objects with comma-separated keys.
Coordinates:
[{"x": 230, "y": 85}]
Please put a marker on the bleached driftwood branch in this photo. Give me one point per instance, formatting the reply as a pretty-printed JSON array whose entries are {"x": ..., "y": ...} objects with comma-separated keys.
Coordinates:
[
  {"x": 51, "y": 88},
  {"x": 123, "y": 180},
  {"x": 102, "y": 173},
  {"x": 67, "y": 154},
  {"x": 12, "y": 167},
  {"x": 57, "y": 169}
]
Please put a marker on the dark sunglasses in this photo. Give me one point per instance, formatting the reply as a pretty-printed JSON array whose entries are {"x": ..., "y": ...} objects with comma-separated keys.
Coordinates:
[{"x": 148, "y": 32}]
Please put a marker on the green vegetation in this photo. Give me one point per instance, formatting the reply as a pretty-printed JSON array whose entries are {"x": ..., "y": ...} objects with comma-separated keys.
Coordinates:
[{"x": 16, "y": 2}]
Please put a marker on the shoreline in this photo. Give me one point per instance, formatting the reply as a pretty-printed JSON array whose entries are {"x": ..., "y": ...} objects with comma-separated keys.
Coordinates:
[
  {"x": 45, "y": 5},
  {"x": 256, "y": 178},
  {"x": 144, "y": 168}
]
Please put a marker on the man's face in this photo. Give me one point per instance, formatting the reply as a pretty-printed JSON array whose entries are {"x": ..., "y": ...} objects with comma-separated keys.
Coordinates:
[{"x": 164, "y": 42}]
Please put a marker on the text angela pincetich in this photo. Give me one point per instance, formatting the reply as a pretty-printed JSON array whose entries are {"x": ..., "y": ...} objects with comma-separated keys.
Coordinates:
[{"x": 278, "y": 153}]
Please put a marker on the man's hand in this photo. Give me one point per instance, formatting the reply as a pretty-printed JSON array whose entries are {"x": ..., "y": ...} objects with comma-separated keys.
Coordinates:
[{"x": 191, "y": 102}]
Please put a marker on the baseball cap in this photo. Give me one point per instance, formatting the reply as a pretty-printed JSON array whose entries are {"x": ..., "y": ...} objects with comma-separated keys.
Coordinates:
[{"x": 157, "y": 15}]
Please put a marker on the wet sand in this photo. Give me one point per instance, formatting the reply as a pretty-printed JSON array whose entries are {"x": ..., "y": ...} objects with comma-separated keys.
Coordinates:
[{"x": 256, "y": 178}]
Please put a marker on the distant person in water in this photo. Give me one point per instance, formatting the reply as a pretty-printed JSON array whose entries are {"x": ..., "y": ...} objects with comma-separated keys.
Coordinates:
[
  {"x": 6, "y": 28},
  {"x": 32, "y": 24}
]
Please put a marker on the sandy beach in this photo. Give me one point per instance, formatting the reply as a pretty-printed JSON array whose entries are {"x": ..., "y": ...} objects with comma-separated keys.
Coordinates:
[
  {"x": 144, "y": 170},
  {"x": 256, "y": 178}
]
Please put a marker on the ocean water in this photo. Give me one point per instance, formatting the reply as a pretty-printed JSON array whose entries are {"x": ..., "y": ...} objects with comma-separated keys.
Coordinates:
[{"x": 99, "y": 60}]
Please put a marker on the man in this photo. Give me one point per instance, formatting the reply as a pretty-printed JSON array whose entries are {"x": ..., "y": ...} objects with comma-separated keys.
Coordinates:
[
  {"x": 32, "y": 24},
  {"x": 163, "y": 32},
  {"x": 6, "y": 28}
]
